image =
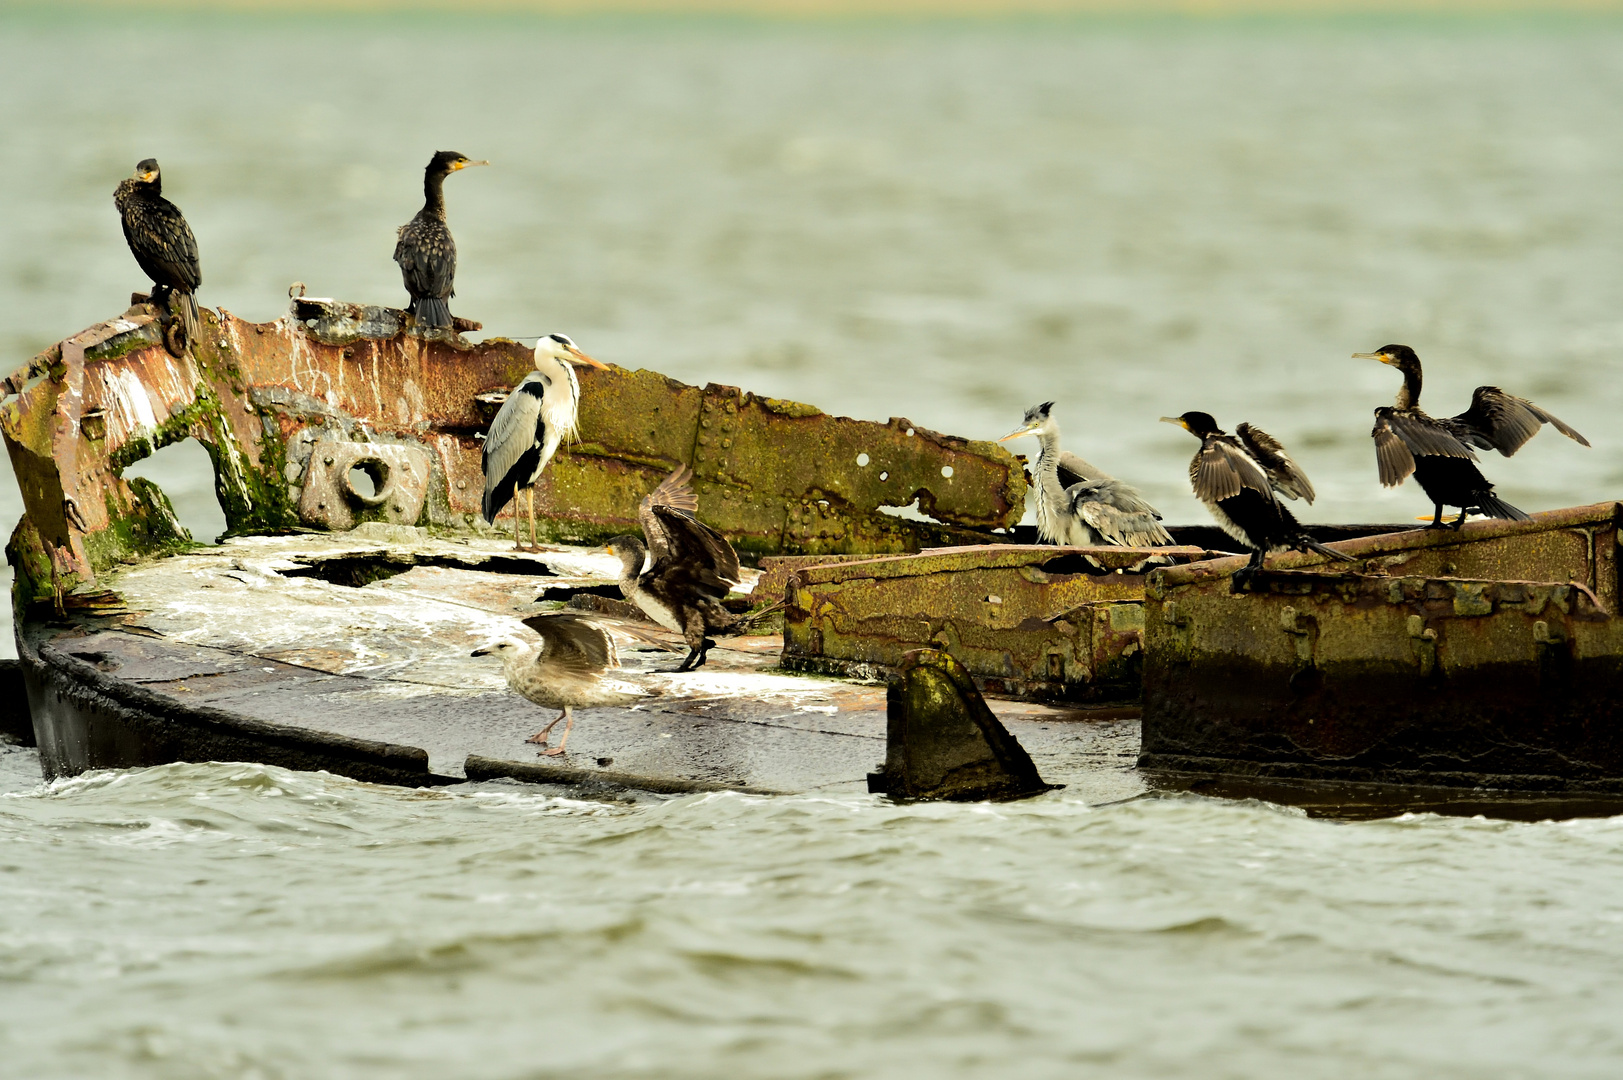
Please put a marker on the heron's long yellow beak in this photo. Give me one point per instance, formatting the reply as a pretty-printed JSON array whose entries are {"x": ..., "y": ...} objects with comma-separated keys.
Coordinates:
[
  {"x": 464, "y": 164},
  {"x": 583, "y": 358},
  {"x": 1175, "y": 420},
  {"x": 1385, "y": 358},
  {"x": 1029, "y": 429}
]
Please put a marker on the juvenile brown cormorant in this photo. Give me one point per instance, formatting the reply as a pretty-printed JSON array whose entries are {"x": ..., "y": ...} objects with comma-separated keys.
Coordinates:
[
  {"x": 692, "y": 569},
  {"x": 1440, "y": 452},
  {"x": 425, "y": 251},
  {"x": 161, "y": 241},
  {"x": 1239, "y": 490},
  {"x": 1078, "y": 503},
  {"x": 566, "y": 670},
  {"x": 536, "y": 417}
]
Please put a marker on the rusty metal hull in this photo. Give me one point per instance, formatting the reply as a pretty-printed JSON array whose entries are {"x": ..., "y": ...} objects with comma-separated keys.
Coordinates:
[{"x": 1492, "y": 657}]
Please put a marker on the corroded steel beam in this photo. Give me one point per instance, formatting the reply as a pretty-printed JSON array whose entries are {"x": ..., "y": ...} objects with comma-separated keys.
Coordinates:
[
  {"x": 1488, "y": 657},
  {"x": 776, "y": 476}
]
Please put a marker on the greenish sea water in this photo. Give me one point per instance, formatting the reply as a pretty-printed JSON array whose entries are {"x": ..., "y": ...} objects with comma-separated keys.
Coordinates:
[{"x": 947, "y": 221}]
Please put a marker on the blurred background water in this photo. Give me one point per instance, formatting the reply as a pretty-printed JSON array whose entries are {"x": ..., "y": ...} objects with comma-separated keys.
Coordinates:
[{"x": 946, "y": 220}]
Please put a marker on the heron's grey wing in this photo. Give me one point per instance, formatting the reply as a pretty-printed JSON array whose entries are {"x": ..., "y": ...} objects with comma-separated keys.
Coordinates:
[
  {"x": 572, "y": 643},
  {"x": 518, "y": 427},
  {"x": 675, "y": 492},
  {"x": 696, "y": 552},
  {"x": 1284, "y": 474},
  {"x": 1117, "y": 512},
  {"x": 1075, "y": 470},
  {"x": 1221, "y": 470},
  {"x": 1504, "y": 422},
  {"x": 1391, "y": 452}
]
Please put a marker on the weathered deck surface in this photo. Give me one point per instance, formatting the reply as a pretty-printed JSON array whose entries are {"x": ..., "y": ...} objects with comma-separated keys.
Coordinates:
[{"x": 295, "y": 631}]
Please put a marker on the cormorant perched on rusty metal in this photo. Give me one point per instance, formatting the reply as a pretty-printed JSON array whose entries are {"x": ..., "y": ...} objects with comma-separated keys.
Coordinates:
[
  {"x": 566, "y": 670},
  {"x": 1078, "y": 503},
  {"x": 536, "y": 418},
  {"x": 692, "y": 570},
  {"x": 425, "y": 251},
  {"x": 162, "y": 243},
  {"x": 1239, "y": 491},
  {"x": 1440, "y": 453}
]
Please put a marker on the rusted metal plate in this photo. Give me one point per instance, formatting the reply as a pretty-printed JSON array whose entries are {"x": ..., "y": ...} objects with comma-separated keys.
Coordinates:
[
  {"x": 397, "y": 484},
  {"x": 1028, "y": 621},
  {"x": 1490, "y": 657},
  {"x": 775, "y": 476}
]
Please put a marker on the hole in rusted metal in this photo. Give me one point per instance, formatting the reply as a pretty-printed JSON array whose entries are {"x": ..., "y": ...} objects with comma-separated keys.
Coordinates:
[
  {"x": 862, "y": 461},
  {"x": 946, "y": 470},
  {"x": 884, "y": 476},
  {"x": 186, "y": 474}
]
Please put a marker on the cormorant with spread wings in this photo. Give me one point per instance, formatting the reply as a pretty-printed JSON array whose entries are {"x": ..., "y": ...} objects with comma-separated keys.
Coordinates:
[
  {"x": 1238, "y": 487},
  {"x": 1080, "y": 504},
  {"x": 691, "y": 570},
  {"x": 1441, "y": 452}
]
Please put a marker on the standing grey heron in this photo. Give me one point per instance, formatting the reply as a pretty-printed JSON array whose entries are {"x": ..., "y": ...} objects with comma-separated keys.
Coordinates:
[
  {"x": 425, "y": 251},
  {"x": 1239, "y": 491},
  {"x": 1080, "y": 504},
  {"x": 1440, "y": 452},
  {"x": 537, "y": 416},
  {"x": 692, "y": 570},
  {"x": 565, "y": 670}
]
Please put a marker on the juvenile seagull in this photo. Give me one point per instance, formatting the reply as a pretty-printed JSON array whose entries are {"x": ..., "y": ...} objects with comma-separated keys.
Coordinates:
[
  {"x": 693, "y": 567},
  {"x": 1440, "y": 452},
  {"x": 1239, "y": 491},
  {"x": 161, "y": 241},
  {"x": 563, "y": 671},
  {"x": 425, "y": 251},
  {"x": 535, "y": 419},
  {"x": 1079, "y": 504}
]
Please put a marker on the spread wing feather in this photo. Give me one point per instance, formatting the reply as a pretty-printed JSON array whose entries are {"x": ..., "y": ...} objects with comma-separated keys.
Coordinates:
[
  {"x": 695, "y": 550},
  {"x": 674, "y": 493},
  {"x": 1504, "y": 422},
  {"x": 572, "y": 643},
  {"x": 1391, "y": 453},
  {"x": 1221, "y": 470},
  {"x": 1284, "y": 474}
]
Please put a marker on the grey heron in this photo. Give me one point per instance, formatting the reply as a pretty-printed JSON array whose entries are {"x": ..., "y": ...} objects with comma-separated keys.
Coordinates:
[
  {"x": 1237, "y": 489},
  {"x": 425, "y": 250},
  {"x": 564, "y": 671},
  {"x": 1440, "y": 453},
  {"x": 691, "y": 571},
  {"x": 1080, "y": 504},
  {"x": 536, "y": 418}
]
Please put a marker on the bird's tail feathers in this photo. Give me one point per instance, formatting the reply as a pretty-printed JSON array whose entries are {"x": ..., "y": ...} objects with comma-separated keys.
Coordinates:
[
  {"x": 189, "y": 314},
  {"x": 1490, "y": 505},
  {"x": 432, "y": 311}
]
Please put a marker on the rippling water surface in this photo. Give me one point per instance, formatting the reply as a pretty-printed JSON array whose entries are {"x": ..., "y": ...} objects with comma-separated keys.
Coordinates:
[
  {"x": 944, "y": 221},
  {"x": 236, "y": 920}
]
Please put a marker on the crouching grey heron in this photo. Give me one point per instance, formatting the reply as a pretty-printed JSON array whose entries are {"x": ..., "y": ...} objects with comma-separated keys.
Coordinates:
[{"x": 537, "y": 416}]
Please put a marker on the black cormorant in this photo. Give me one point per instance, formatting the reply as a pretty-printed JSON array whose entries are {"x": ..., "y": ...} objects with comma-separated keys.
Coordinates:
[
  {"x": 161, "y": 241},
  {"x": 425, "y": 251},
  {"x": 1078, "y": 503},
  {"x": 537, "y": 416},
  {"x": 1239, "y": 490},
  {"x": 692, "y": 569},
  {"x": 1440, "y": 453}
]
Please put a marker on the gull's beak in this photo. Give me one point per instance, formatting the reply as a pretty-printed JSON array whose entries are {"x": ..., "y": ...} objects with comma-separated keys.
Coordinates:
[
  {"x": 1385, "y": 358},
  {"x": 1175, "y": 420},
  {"x": 1029, "y": 429},
  {"x": 466, "y": 164},
  {"x": 480, "y": 652},
  {"x": 583, "y": 358}
]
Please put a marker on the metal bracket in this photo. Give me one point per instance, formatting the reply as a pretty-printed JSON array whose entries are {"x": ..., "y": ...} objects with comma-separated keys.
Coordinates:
[{"x": 333, "y": 500}]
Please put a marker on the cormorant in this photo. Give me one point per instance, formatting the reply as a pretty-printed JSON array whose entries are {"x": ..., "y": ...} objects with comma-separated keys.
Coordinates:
[
  {"x": 564, "y": 671},
  {"x": 1239, "y": 490},
  {"x": 1080, "y": 504},
  {"x": 1440, "y": 452},
  {"x": 537, "y": 416},
  {"x": 692, "y": 569},
  {"x": 161, "y": 241},
  {"x": 425, "y": 251}
]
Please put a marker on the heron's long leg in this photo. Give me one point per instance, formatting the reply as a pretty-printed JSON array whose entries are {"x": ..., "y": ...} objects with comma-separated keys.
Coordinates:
[
  {"x": 518, "y": 535},
  {"x": 541, "y": 736},
  {"x": 563, "y": 742},
  {"x": 533, "y": 545}
]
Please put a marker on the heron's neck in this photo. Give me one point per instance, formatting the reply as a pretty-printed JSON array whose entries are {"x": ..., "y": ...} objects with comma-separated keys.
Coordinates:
[
  {"x": 434, "y": 193},
  {"x": 561, "y": 401},
  {"x": 1048, "y": 460},
  {"x": 1409, "y": 396}
]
